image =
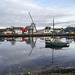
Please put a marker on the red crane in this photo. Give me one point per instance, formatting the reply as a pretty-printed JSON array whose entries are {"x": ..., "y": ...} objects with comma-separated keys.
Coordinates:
[{"x": 33, "y": 22}]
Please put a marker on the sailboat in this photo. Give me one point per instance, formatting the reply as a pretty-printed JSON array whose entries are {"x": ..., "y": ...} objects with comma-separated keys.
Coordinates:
[{"x": 56, "y": 42}]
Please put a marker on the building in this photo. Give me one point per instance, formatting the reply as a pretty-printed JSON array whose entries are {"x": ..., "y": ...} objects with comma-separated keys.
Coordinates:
[
  {"x": 70, "y": 30},
  {"x": 2, "y": 31},
  {"x": 48, "y": 30},
  {"x": 17, "y": 30},
  {"x": 59, "y": 30},
  {"x": 13, "y": 30},
  {"x": 45, "y": 30}
]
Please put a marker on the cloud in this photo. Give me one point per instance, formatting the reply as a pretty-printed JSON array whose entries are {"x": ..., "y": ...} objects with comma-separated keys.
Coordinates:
[
  {"x": 11, "y": 0},
  {"x": 15, "y": 12}
]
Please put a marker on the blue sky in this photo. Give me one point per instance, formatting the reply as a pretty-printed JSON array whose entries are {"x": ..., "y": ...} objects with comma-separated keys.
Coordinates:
[
  {"x": 15, "y": 12},
  {"x": 54, "y": 3}
]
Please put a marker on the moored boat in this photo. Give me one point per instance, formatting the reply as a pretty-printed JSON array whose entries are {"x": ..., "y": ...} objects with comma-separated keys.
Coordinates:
[{"x": 56, "y": 44}]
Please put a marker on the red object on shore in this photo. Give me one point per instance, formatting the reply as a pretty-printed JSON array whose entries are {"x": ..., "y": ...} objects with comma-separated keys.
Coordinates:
[{"x": 24, "y": 30}]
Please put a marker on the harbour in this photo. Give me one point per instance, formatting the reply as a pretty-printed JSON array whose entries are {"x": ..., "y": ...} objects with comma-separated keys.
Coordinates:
[
  {"x": 29, "y": 56},
  {"x": 37, "y": 37}
]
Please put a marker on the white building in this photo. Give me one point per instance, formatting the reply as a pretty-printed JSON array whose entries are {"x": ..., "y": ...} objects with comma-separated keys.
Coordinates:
[
  {"x": 18, "y": 31},
  {"x": 13, "y": 30},
  {"x": 48, "y": 30}
]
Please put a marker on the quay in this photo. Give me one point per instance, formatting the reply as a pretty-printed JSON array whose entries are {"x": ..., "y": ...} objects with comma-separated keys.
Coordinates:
[{"x": 33, "y": 35}]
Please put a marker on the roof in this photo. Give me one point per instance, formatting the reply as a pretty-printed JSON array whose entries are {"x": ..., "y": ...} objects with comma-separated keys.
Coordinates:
[
  {"x": 58, "y": 28},
  {"x": 13, "y": 28},
  {"x": 47, "y": 27},
  {"x": 2, "y": 30},
  {"x": 18, "y": 27}
]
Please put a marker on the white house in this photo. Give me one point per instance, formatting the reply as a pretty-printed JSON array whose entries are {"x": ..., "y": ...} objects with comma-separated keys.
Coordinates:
[
  {"x": 17, "y": 30},
  {"x": 13, "y": 30},
  {"x": 48, "y": 30}
]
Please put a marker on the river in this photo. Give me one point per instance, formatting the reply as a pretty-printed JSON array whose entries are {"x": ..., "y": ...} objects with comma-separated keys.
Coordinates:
[{"x": 29, "y": 55}]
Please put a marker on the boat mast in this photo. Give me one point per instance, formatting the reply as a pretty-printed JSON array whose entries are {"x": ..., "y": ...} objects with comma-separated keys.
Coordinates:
[{"x": 53, "y": 28}]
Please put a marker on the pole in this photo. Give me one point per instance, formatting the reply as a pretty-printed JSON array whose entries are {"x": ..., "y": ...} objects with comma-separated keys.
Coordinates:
[{"x": 53, "y": 28}]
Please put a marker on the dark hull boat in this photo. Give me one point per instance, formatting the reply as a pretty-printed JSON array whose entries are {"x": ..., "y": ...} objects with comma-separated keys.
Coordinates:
[{"x": 56, "y": 44}]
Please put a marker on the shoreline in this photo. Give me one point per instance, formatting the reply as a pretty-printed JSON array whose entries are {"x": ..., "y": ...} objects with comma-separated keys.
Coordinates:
[{"x": 33, "y": 35}]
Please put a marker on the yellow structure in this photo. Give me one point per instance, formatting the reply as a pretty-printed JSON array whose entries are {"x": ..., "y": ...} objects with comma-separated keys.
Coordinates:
[{"x": 71, "y": 32}]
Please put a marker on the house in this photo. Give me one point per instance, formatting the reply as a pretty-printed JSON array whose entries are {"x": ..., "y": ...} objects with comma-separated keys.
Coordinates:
[
  {"x": 8, "y": 31},
  {"x": 48, "y": 30},
  {"x": 2, "y": 31},
  {"x": 17, "y": 30},
  {"x": 14, "y": 30},
  {"x": 59, "y": 30},
  {"x": 70, "y": 30},
  {"x": 45, "y": 30}
]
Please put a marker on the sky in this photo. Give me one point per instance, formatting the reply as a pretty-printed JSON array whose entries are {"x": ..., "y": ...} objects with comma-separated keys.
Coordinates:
[{"x": 15, "y": 13}]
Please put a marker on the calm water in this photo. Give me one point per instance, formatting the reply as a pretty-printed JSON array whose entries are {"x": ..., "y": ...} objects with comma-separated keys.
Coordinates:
[{"x": 21, "y": 55}]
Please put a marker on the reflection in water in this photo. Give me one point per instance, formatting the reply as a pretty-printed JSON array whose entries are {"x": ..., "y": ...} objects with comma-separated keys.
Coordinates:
[
  {"x": 17, "y": 59},
  {"x": 55, "y": 69},
  {"x": 30, "y": 40},
  {"x": 32, "y": 44},
  {"x": 58, "y": 72}
]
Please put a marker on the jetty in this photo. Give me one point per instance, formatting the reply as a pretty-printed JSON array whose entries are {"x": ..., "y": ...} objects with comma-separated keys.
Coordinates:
[{"x": 33, "y": 35}]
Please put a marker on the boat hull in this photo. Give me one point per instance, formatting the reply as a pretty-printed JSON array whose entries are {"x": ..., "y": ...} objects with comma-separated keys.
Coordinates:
[{"x": 48, "y": 44}]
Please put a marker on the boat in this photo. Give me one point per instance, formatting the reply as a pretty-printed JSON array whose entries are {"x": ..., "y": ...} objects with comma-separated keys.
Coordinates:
[{"x": 56, "y": 42}]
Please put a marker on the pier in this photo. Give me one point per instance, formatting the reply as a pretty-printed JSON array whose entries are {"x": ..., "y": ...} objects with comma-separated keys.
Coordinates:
[{"x": 33, "y": 35}]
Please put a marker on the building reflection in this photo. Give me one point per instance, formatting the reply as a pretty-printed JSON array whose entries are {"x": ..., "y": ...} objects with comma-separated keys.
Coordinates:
[
  {"x": 2, "y": 39},
  {"x": 31, "y": 40},
  {"x": 46, "y": 38},
  {"x": 70, "y": 38},
  {"x": 14, "y": 40}
]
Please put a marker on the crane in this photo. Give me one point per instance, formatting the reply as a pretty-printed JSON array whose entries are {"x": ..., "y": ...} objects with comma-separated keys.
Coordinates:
[{"x": 33, "y": 24}]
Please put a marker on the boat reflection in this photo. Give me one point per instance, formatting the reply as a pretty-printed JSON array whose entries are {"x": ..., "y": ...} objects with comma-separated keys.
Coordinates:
[
  {"x": 56, "y": 69},
  {"x": 56, "y": 48}
]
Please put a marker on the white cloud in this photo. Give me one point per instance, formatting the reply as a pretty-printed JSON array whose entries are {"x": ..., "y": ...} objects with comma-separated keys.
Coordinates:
[
  {"x": 11, "y": 0},
  {"x": 16, "y": 11}
]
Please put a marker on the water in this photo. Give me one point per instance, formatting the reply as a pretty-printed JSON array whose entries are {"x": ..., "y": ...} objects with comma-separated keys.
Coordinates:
[{"x": 23, "y": 55}]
